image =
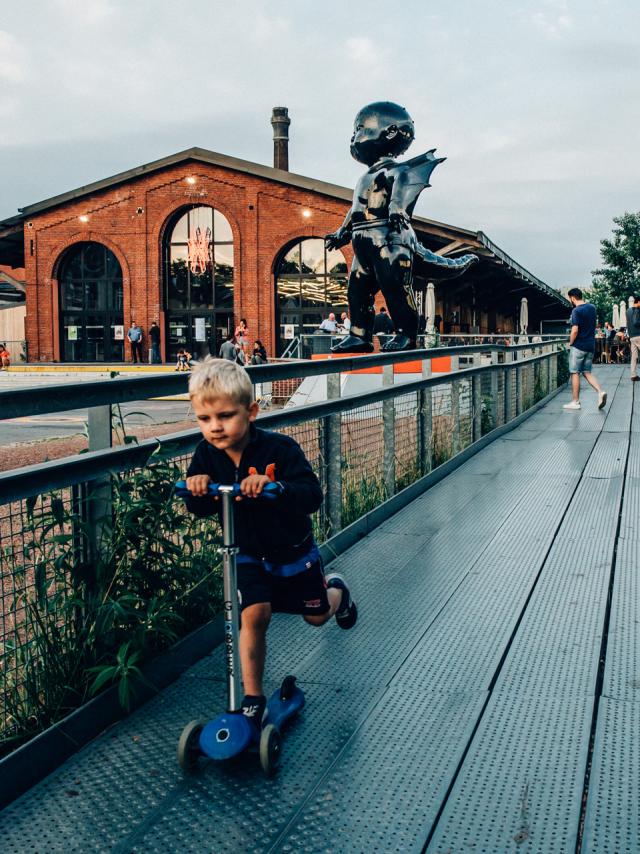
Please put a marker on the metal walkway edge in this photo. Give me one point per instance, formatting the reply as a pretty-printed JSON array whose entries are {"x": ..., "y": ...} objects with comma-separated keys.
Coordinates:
[{"x": 459, "y": 713}]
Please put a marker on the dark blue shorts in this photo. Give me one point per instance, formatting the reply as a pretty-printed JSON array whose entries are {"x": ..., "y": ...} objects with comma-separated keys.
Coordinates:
[{"x": 304, "y": 593}]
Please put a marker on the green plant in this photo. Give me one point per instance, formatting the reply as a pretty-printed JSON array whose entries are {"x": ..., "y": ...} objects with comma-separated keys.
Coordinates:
[
  {"x": 563, "y": 368},
  {"x": 360, "y": 493},
  {"x": 487, "y": 421},
  {"x": 90, "y": 608}
]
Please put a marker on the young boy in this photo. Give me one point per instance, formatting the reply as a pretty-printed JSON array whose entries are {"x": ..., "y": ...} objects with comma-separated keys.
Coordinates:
[{"x": 279, "y": 565}]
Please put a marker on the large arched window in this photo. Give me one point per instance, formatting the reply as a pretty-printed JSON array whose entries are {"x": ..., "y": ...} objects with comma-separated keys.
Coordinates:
[
  {"x": 91, "y": 313},
  {"x": 198, "y": 253},
  {"x": 311, "y": 281}
]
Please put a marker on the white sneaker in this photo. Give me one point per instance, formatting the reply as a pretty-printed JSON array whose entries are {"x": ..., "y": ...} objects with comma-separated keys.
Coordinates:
[
  {"x": 602, "y": 399},
  {"x": 575, "y": 404}
]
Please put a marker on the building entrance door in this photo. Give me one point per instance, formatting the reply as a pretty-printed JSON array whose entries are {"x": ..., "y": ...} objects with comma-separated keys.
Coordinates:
[{"x": 91, "y": 313}]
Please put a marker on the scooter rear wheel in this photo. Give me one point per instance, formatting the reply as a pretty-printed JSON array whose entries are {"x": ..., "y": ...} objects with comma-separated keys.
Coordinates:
[
  {"x": 189, "y": 745},
  {"x": 270, "y": 747}
]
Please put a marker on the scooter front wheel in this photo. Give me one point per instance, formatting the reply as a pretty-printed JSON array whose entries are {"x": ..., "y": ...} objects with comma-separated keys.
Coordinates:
[
  {"x": 189, "y": 745},
  {"x": 270, "y": 747}
]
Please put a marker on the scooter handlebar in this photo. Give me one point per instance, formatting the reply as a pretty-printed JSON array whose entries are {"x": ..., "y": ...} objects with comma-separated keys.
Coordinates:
[{"x": 270, "y": 490}]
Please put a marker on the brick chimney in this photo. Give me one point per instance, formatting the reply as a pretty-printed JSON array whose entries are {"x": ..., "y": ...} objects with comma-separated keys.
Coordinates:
[{"x": 280, "y": 121}]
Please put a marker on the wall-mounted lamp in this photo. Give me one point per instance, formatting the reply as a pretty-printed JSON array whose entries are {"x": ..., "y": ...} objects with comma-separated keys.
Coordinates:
[
  {"x": 83, "y": 218},
  {"x": 306, "y": 213},
  {"x": 139, "y": 211},
  {"x": 191, "y": 180}
]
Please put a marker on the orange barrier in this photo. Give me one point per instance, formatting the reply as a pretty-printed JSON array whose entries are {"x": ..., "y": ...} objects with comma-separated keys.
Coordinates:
[{"x": 441, "y": 365}]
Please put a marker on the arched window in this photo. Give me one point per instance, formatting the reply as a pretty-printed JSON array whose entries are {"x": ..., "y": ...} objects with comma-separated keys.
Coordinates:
[
  {"x": 311, "y": 281},
  {"x": 91, "y": 313},
  {"x": 198, "y": 253}
]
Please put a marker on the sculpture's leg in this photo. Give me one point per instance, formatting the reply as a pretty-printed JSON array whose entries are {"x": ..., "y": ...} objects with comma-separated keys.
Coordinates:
[
  {"x": 394, "y": 269},
  {"x": 361, "y": 293}
]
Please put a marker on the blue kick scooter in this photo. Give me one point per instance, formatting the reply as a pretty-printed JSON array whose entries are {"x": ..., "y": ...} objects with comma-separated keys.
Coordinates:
[{"x": 230, "y": 733}]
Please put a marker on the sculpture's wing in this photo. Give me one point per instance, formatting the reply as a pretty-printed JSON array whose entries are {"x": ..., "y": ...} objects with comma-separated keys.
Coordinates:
[{"x": 415, "y": 177}]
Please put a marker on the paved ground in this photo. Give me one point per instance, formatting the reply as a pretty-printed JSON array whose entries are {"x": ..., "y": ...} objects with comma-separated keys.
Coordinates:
[
  {"x": 57, "y": 425},
  {"x": 488, "y": 699}
]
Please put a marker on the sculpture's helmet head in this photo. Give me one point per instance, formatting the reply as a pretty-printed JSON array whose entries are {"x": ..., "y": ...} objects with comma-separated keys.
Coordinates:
[{"x": 382, "y": 129}]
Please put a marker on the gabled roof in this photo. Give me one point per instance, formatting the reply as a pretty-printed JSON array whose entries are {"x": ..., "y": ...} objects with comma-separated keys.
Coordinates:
[{"x": 11, "y": 229}]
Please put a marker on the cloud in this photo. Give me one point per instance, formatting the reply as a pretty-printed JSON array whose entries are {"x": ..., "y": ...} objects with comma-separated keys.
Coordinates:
[
  {"x": 84, "y": 12},
  {"x": 12, "y": 59}
]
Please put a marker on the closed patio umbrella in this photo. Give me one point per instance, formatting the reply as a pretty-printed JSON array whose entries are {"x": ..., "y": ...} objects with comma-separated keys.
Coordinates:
[
  {"x": 630, "y": 301},
  {"x": 615, "y": 320},
  {"x": 623, "y": 313},
  {"x": 430, "y": 310},
  {"x": 524, "y": 321}
]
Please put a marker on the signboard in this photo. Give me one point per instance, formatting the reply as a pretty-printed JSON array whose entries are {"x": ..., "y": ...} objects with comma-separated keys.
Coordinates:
[
  {"x": 118, "y": 333},
  {"x": 201, "y": 334},
  {"x": 178, "y": 332},
  {"x": 72, "y": 333},
  {"x": 289, "y": 331}
]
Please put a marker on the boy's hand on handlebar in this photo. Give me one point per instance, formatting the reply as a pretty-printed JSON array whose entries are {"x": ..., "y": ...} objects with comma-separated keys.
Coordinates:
[
  {"x": 252, "y": 486},
  {"x": 198, "y": 485}
]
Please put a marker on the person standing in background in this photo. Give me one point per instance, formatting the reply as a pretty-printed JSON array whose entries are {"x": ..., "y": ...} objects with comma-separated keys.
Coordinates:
[
  {"x": 633, "y": 333},
  {"x": 582, "y": 343},
  {"x": 135, "y": 339},
  {"x": 154, "y": 335}
]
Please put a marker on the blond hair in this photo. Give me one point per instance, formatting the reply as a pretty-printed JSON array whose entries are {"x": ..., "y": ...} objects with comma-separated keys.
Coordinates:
[{"x": 213, "y": 378}]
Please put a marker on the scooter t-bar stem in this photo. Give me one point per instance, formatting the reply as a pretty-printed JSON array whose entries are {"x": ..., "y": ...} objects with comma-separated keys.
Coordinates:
[{"x": 231, "y": 610}]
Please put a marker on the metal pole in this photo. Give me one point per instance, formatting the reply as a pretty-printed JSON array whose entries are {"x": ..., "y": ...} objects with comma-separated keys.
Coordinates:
[
  {"x": 476, "y": 387},
  {"x": 98, "y": 507},
  {"x": 333, "y": 458},
  {"x": 389, "y": 434},
  {"x": 455, "y": 407},
  {"x": 425, "y": 423},
  {"x": 507, "y": 388},
  {"x": 494, "y": 380},
  {"x": 229, "y": 551}
]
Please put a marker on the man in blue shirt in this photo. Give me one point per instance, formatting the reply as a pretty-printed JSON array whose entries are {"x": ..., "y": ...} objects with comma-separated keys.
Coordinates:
[{"x": 582, "y": 343}]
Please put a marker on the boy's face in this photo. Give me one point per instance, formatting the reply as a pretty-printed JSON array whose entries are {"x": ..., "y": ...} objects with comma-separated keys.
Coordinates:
[{"x": 224, "y": 422}]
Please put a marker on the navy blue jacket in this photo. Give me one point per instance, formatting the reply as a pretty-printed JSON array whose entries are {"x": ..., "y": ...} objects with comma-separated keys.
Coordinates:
[{"x": 278, "y": 530}]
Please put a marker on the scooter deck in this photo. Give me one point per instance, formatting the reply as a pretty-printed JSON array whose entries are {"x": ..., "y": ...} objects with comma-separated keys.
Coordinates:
[{"x": 230, "y": 734}]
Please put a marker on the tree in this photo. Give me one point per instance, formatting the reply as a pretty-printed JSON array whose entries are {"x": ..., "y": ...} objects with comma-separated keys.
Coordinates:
[{"x": 620, "y": 277}]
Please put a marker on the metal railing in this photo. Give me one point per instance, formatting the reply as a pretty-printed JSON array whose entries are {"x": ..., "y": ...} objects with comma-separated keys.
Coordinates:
[{"x": 59, "y": 519}]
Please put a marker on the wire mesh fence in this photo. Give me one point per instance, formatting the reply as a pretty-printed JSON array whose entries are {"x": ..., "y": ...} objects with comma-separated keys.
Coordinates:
[{"x": 98, "y": 576}]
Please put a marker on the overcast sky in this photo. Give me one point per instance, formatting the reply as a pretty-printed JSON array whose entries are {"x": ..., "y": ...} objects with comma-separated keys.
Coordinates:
[{"x": 535, "y": 104}]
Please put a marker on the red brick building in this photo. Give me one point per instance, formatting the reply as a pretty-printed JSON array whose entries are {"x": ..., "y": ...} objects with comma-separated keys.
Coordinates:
[{"x": 197, "y": 240}]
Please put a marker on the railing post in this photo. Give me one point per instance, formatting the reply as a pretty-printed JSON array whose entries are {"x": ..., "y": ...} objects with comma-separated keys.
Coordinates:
[
  {"x": 389, "y": 434},
  {"x": 476, "y": 387},
  {"x": 519, "y": 389},
  {"x": 494, "y": 379},
  {"x": 97, "y": 509},
  {"x": 425, "y": 422},
  {"x": 333, "y": 457},
  {"x": 508, "y": 395},
  {"x": 455, "y": 407}
]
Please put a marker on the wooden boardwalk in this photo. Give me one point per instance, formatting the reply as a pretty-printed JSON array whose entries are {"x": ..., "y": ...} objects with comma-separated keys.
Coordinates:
[{"x": 488, "y": 699}]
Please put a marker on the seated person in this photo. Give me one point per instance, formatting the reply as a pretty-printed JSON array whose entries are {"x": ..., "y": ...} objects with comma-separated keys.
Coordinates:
[
  {"x": 183, "y": 359},
  {"x": 259, "y": 356},
  {"x": 329, "y": 324}
]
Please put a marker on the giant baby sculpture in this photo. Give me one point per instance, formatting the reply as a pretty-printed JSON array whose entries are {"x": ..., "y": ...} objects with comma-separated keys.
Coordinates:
[{"x": 378, "y": 224}]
